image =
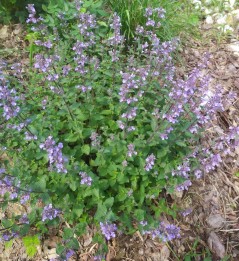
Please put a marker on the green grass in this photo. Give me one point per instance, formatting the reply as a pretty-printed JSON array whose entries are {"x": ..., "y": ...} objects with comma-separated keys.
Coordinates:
[{"x": 181, "y": 17}]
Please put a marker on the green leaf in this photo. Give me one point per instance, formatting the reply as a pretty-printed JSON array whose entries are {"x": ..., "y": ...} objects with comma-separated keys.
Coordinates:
[
  {"x": 78, "y": 211},
  {"x": 139, "y": 214},
  {"x": 101, "y": 212},
  {"x": 181, "y": 143},
  {"x": 72, "y": 137},
  {"x": 68, "y": 233},
  {"x": 31, "y": 243},
  {"x": 73, "y": 244},
  {"x": 101, "y": 23},
  {"x": 73, "y": 185},
  {"x": 109, "y": 202},
  {"x": 85, "y": 149},
  {"x": 8, "y": 244}
]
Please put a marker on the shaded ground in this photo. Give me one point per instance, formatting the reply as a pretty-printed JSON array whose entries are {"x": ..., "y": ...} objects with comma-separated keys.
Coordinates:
[{"x": 212, "y": 227}]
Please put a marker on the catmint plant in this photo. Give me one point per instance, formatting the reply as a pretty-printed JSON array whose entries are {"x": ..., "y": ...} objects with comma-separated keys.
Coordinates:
[{"x": 96, "y": 132}]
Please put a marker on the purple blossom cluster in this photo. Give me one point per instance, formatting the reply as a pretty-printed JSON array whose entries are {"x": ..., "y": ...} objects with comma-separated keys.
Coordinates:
[
  {"x": 8, "y": 235},
  {"x": 81, "y": 57},
  {"x": 130, "y": 115},
  {"x": 117, "y": 38},
  {"x": 8, "y": 100},
  {"x": 149, "y": 12},
  {"x": 165, "y": 232},
  {"x": 69, "y": 253},
  {"x": 30, "y": 136},
  {"x": 7, "y": 186},
  {"x": 131, "y": 150},
  {"x": 150, "y": 160},
  {"x": 182, "y": 170},
  {"x": 108, "y": 230},
  {"x": 48, "y": 44},
  {"x": 24, "y": 219},
  {"x": 32, "y": 12},
  {"x": 54, "y": 154},
  {"x": 50, "y": 213},
  {"x": 84, "y": 88},
  {"x": 184, "y": 186},
  {"x": 85, "y": 179},
  {"x": 24, "y": 198},
  {"x": 42, "y": 63},
  {"x": 95, "y": 139},
  {"x": 87, "y": 22}
]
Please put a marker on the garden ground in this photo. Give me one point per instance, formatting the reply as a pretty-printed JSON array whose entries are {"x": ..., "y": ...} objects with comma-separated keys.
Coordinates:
[{"x": 211, "y": 230}]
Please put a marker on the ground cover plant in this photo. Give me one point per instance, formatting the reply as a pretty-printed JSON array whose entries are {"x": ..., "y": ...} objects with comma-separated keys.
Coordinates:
[{"x": 97, "y": 133}]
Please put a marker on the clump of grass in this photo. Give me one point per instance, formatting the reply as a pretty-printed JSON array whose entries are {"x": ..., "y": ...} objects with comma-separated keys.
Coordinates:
[{"x": 181, "y": 16}]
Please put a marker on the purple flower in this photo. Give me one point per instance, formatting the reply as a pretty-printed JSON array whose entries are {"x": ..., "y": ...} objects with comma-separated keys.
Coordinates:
[
  {"x": 8, "y": 100},
  {"x": 95, "y": 139},
  {"x": 108, "y": 230},
  {"x": 84, "y": 88},
  {"x": 182, "y": 170},
  {"x": 24, "y": 198},
  {"x": 85, "y": 179},
  {"x": 69, "y": 253},
  {"x": 166, "y": 232},
  {"x": 149, "y": 162},
  {"x": 143, "y": 223},
  {"x": 50, "y": 213},
  {"x": 66, "y": 69},
  {"x": 184, "y": 186},
  {"x": 29, "y": 136},
  {"x": 54, "y": 154},
  {"x": 24, "y": 219},
  {"x": 32, "y": 12},
  {"x": 8, "y": 235},
  {"x": 115, "y": 25},
  {"x": 42, "y": 63},
  {"x": 131, "y": 152}
]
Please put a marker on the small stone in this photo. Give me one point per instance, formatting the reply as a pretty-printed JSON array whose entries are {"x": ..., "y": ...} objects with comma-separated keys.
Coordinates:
[
  {"x": 87, "y": 241},
  {"x": 235, "y": 15},
  {"x": 165, "y": 253},
  {"x": 234, "y": 47},
  {"x": 216, "y": 246},
  {"x": 141, "y": 252},
  {"x": 215, "y": 221},
  {"x": 18, "y": 29},
  {"x": 222, "y": 20},
  {"x": 4, "y": 32},
  {"x": 209, "y": 20}
]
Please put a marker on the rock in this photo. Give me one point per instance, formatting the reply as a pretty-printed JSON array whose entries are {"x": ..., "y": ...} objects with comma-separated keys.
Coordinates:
[
  {"x": 141, "y": 252},
  {"x": 18, "y": 29},
  {"x": 234, "y": 47},
  {"x": 87, "y": 241},
  {"x": 4, "y": 32},
  {"x": 51, "y": 253},
  {"x": 209, "y": 20},
  {"x": 222, "y": 20},
  {"x": 215, "y": 220},
  {"x": 165, "y": 253},
  {"x": 216, "y": 245},
  {"x": 235, "y": 14}
]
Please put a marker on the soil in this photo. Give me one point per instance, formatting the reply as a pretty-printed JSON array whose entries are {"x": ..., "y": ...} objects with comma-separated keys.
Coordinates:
[{"x": 211, "y": 229}]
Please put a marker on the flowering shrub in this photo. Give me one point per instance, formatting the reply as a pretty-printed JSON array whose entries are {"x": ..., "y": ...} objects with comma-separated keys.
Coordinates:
[{"x": 98, "y": 133}]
